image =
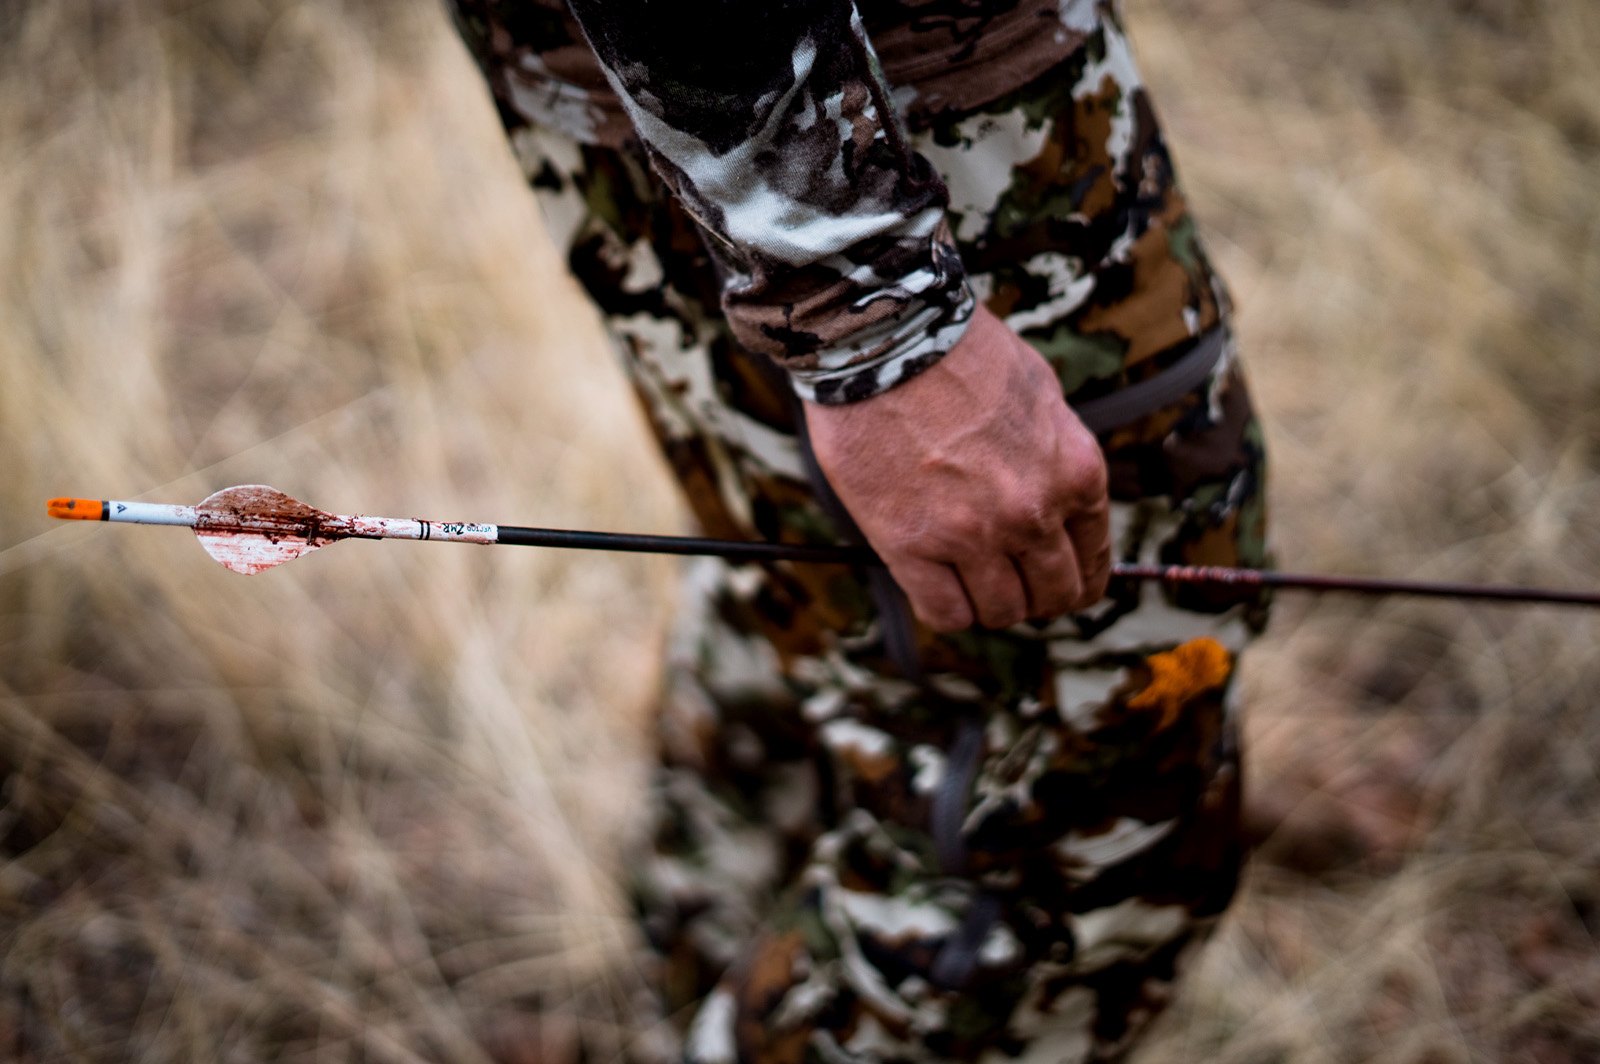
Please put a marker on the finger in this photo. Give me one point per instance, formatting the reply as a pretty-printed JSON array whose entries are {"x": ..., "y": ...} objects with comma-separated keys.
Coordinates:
[
  {"x": 1090, "y": 532},
  {"x": 936, "y": 594},
  {"x": 1051, "y": 577},
  {"x": 1088, "y": 509},
  {"x": 995, "y": 589}
]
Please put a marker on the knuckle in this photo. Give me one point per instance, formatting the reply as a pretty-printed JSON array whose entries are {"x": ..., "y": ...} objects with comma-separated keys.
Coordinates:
[
  {"x": 1002, "y": 612},
  {"x": 944, "y": 619},
  {"x": 1036, "y": 521},
  {"x": 1097, "y": 482},
  {"x": 1026, "y": 520},
  {"x": 1100, "y": 579},
  {"x": 1004, "y": 619},
  {"x": 952, "y": 537},
  {"x": 1092, "y": 590},
  {"x": 906, "y": 543},
  {"x": 1085, "y": 472},
  {"x": 1048, "y": 609},
  {"x": 1088, "y": 491},
  {"x": 1061, "y": 598}
]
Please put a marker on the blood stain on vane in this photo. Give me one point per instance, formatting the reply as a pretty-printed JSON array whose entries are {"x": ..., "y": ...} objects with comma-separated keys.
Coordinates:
[{"x": 253, "y": 527}]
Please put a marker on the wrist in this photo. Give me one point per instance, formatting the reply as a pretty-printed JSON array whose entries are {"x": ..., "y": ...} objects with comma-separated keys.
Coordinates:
[{"x": 888, "y": 354}]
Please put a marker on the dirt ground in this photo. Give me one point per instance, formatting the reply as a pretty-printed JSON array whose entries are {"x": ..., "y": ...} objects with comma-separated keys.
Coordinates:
[{"x": 364, "y": 808}]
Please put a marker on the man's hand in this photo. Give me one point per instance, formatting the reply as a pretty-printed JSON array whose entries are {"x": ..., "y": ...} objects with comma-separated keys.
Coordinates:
[{"x": 976, "y": 484}]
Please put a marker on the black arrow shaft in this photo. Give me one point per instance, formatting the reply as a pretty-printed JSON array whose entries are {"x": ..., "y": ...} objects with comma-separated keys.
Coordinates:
[
  {"x": 1362, "y": 585},
  {"x": 738, "y": 550}
]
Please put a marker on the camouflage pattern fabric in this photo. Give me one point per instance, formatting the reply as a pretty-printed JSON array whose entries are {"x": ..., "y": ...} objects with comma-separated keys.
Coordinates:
[
  {"x": 829, "y": 232},
  {"x": 941, "y": 56},
  {"x": 1011, "y": 851}
]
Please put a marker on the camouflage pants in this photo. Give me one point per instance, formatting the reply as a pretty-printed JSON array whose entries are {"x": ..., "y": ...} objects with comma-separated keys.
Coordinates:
[{"x": 874, "y": 843}]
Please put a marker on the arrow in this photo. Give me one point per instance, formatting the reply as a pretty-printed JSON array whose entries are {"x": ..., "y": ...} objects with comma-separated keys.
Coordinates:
[{"x": 251, "y": 528}]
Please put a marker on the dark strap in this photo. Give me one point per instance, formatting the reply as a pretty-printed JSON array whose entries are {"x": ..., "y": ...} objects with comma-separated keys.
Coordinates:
[
  {"x": 948, "y": 809},
  {"x": 894, "y": 611},
  {"x": 1165, "y": 388},
  {"x": 956, "y": 960}
]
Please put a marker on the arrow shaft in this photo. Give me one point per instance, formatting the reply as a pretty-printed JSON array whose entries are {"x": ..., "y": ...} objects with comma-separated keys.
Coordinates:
[
  {"x": 255, "y": 527},
  {"x": 324, "y": 527},
  {"x": 1209, "y": 575},
  {"x": 1201, "y": 574},
  {"x": 416, "y": 528},
  {"x": 738, "y": 550},
  {"x": 312, "y": 525},
  {"x": 148, "y": 513}
]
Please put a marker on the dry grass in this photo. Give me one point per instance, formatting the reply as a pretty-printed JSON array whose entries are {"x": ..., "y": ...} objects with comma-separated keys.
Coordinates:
[
  {"x": 349, "y": 810},
  {"x": 1406, "y": 198},
  {"x": 361, "y": 808}
]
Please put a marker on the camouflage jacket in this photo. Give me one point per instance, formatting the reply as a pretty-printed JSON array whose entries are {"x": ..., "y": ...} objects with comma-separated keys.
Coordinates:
[{"x": 782, "y": 131}]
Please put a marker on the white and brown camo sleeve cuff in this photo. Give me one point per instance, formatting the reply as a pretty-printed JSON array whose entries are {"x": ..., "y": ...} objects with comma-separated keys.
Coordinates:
[{"x": 930, "y": 309}]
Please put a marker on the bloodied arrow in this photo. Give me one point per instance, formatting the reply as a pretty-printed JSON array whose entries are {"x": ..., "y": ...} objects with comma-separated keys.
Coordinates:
[{"x": 252, "y": 527}]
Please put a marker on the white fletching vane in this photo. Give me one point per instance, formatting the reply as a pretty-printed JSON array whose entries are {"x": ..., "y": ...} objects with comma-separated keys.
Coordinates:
[{"x": 251, "y": 528}]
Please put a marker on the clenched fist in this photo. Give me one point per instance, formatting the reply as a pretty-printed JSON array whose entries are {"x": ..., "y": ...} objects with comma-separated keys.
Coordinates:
[{"x": 976, "y": 484}]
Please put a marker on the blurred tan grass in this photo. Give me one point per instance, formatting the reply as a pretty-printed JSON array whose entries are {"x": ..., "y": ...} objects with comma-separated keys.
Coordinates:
[
  {"x": 365, "y": 807},
  {"x": 358, "y": 808}
]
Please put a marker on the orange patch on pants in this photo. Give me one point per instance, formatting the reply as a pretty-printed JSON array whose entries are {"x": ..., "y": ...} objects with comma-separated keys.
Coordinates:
[{"x": 1178, "y": 675}]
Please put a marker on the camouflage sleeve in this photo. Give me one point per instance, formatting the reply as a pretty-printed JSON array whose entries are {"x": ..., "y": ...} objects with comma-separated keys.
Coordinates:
[{"x": 830, "y": 231}]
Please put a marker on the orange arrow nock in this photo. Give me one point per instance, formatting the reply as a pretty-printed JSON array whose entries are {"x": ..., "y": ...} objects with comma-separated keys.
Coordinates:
[{"x": 77, "y": 509}]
